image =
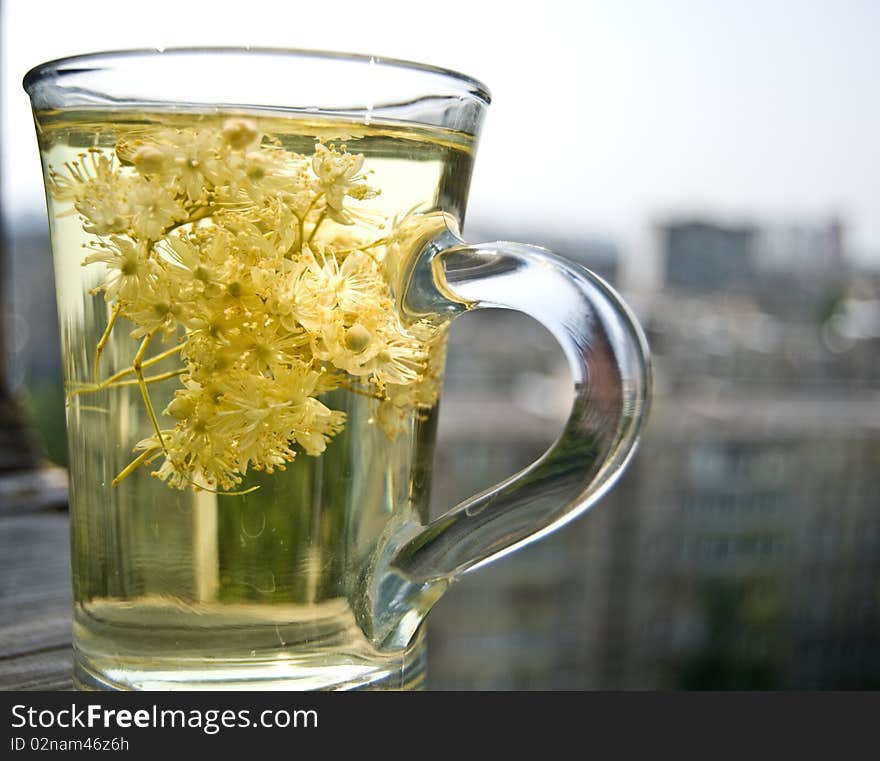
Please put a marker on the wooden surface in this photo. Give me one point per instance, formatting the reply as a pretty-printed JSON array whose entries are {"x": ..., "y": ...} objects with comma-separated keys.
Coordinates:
[{"x": 35, "y": 650}]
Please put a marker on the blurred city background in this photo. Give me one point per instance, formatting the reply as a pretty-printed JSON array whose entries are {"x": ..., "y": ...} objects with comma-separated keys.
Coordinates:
[{"x": 718, "y": 164}]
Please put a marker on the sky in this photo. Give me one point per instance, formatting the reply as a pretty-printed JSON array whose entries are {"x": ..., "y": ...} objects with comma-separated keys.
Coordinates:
[{"x": 606, "y": 117}]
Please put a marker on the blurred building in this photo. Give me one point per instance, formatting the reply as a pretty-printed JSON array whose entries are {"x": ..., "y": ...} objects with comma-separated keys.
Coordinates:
[
  {"x": 803, "y": 269},
  {"x": 814, "y": 247},
  {"x": 708, "y": 256},
  {"x": 755, "y": 547}
]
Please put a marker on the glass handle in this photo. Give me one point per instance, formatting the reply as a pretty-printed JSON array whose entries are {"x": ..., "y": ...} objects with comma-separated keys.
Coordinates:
[
  {"x": 608, "y": 356},
  {"x": 609, "y": 361}
]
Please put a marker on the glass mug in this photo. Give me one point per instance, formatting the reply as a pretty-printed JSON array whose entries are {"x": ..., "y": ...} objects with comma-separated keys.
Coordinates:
[{"x": 257, "y": 257}]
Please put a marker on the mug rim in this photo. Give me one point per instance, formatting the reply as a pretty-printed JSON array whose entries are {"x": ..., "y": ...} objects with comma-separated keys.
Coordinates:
[{"x": 57, "y": 67}]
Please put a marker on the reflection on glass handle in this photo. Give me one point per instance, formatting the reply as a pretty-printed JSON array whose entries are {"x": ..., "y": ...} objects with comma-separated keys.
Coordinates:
[{"x": 609, "y": 362}]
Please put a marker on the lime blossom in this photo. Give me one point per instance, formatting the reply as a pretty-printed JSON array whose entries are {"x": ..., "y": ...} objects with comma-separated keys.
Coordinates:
[{"x": 238, "y": 252}]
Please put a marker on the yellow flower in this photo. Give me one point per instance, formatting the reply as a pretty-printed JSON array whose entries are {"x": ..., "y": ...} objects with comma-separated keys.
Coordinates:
[
  {"x": 338, "y": 174},
  {"x": 191, "y": 160},
  {"x": 401, "y": 361},
  {"x": 354, "y": 286},
  {"x": 97, "y": 192},
  {"x": 152, "y": 210},
  {"x": 155, "y": 310},
  {"x": 269, "y": 348},
  {"x": 128, "y": 267}
]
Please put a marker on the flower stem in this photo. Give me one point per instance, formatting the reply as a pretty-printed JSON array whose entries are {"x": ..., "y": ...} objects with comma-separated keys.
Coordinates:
[
  {"x": 147, "y": 379},
  {"x": 99, "y": 349},
  {"x": 364, "y": 248},
  {"x": 137, "y": 365},
  {"x": 317, "y": 225},
  {"x": 143, "y": 457},
  {"x": 218, "y": 492},
  {"x": 113, "y": 379},
  {"x": 198, "y": 214}
]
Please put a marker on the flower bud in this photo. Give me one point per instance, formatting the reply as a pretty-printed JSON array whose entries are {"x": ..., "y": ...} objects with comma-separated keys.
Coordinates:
[
  {"x": 148, "y": 159},
  {"x": 240, "y": 133},
  {"x": 357, "y": 338},
  {"x": 181, "y": 407}
]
